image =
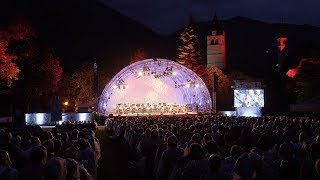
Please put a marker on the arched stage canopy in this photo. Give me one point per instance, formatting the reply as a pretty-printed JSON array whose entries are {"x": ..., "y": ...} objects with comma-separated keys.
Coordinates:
[{"x": 155, "y": 86}]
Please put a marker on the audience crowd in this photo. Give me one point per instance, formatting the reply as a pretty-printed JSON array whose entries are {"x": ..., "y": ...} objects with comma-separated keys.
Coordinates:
[
  {"x": 170, "y": 148},
  {"x": 207, "y": 147},
  {"x": 67, "y": 152}
]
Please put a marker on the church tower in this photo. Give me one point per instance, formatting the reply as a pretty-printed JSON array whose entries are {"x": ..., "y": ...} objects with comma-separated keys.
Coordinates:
[{"x": 216, "y": 49}]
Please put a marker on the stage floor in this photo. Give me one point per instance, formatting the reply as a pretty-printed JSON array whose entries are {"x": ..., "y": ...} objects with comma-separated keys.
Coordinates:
[{"x": 155, "y": 114}]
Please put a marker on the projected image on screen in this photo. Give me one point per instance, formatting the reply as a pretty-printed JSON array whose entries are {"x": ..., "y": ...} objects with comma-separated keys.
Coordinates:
[{"x": 249, "y": 98}]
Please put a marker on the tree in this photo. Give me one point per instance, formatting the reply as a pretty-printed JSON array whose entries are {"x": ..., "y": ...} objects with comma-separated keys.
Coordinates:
[
  {"x": 189, "y": 52},
  {"x": 40, "y": 68},
  {"x": 138, "y": 54},
  {"x": 52, "y": 72},
  {"x": 40, "y": 76},
  {"x": 82, "y": 84},
  {"x": 79, "y": 87},
  {"x": 22, "y": 40},
  {"x": 208, "y": 78},
  {"x": 20, "y": 29},
  {"x": 9, "y": 70},
  {"x": 224, "y": 85},
  {"x": 223, "y": 89},
  {"x": 224, "y": 92}
]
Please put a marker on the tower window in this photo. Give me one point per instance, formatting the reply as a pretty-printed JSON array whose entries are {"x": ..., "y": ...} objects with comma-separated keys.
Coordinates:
[{"x": 214, "y": 42}]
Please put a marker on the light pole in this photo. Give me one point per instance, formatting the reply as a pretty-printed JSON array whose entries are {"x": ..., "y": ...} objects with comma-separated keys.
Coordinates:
[
  {"x": 95, "y": 85},
  {"x": 214, "y": 93}
]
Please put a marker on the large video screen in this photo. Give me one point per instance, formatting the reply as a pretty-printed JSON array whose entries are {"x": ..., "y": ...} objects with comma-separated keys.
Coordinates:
[{"x": 249, "y": 98}]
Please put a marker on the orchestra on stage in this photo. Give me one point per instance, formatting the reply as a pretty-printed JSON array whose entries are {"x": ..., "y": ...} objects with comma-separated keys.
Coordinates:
[{"x": 153, "y": 108}]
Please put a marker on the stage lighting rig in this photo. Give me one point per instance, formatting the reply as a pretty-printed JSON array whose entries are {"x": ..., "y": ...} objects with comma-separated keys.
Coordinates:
[{"x": 120, "y": 84}]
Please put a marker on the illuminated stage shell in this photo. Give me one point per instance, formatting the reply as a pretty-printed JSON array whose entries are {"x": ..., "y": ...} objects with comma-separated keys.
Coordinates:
[{"x": 155, "y": 86}]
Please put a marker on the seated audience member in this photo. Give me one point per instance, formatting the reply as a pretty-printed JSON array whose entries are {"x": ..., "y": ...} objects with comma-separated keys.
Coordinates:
[
  {"x": 288, "y": 166},
  {"x": 212, "y": 148},
  {"x": 5, "y": 139},
  {"x": 37, "y": 161},
  {"x": 193, "y": 164},
  {"x": 317, "y": 168},
  {"x": 65, "y": 140},
  {"x": 169, "y": 158},
  {"x": 55, "y": 169},
  {"x": 49, "y": 145},
  {"x": 34, "y": 141},
  {"x": 244, "y": 168},
  {"x": 95, "y": 145},
  {"x": 16, "y": 153},
  {"x": 206, "y": 138},
  {"x": 72, "y": 169},
  {"x": 72, "y": 152},
  {"x": 196, "y": 138},
  {"x": 216, "y": 169},
  {"x": 235, "y": 152},
  {"x": 76, "y": 171},
  {"x": 57, "y": 147},
  {"x": 162, "y": 147},
  {"x": 6, "y": 172},
  {"x": 315, "y": 148},
  {"x": 88, "y": 157}
]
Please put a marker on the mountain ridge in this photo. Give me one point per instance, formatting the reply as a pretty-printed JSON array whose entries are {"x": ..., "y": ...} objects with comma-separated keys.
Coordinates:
[{"x": 89, "y": 31}]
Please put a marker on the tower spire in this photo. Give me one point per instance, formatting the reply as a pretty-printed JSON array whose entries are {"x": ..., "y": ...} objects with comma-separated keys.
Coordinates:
[
  {"x": 282, "y": 47},
  {"x": 191, "y": 19},
  {"x": 215, "y": 25},
  {"x": 215, "y": 17},
  {"x": 216, "y": 51},
  {"x": 282, "y": 36}
]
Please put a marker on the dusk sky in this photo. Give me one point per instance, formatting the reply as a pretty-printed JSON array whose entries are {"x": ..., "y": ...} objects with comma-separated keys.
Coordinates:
[{"x": 167, "y": 16}]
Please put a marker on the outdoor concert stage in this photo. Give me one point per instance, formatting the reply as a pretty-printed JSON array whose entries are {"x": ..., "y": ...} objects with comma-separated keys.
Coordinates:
[
  {"x": 155, "y": 87},
  {"x": 157, "y": 114}
]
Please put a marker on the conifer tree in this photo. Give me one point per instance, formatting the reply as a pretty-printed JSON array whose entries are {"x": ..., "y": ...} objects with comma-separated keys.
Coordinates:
[{"x": 189, "y": 52}]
